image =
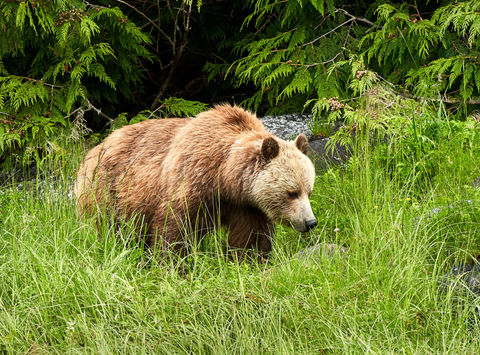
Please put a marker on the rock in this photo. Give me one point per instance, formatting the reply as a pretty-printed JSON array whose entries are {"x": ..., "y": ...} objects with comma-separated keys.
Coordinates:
[
  {"x": 319, "y": 251},
  {"x": 16, "y": 174},
  {"x": 436, "y": 210},
  {"x": 323, "y": 157},
  {"x": 288, "y": 126},
  {"x": 462, "y": 280}
]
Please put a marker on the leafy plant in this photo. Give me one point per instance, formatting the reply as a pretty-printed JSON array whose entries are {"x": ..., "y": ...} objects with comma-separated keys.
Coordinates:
[
  {"x": 56, "y": 59},
  {"x": 291, "y": 51},
  {"x": 178, "y": 107},
  {"x": 171, "y": 107},
  {"x": 436, "y": 58},
  {"x": 289, "y": 54}
]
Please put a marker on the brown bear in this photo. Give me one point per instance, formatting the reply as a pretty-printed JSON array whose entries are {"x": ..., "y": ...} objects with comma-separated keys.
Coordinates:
[{"x": 183, "y": 176}]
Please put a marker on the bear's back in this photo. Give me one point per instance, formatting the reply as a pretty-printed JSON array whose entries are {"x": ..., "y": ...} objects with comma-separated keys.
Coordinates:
[
  {"x": 149, "y": 137},
  {"x": 233, "y": 118}
]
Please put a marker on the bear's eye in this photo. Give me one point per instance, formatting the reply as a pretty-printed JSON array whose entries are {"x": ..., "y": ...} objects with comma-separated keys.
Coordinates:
[{"x": 293, "y": 194}]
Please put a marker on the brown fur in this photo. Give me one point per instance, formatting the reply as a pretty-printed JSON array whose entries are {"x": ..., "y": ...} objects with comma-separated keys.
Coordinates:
[{"x": 183, "y": 175}]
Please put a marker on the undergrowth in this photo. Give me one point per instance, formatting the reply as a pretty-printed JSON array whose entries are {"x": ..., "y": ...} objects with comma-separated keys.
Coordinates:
[{"x": 64, "y": 290}]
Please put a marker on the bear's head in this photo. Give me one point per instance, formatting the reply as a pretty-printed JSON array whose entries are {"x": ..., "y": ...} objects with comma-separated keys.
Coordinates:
[{"x": 282, "y": 187}]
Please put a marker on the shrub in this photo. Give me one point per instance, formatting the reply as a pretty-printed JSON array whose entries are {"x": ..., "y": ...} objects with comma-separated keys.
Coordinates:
[{"x": 56, "y": 58}]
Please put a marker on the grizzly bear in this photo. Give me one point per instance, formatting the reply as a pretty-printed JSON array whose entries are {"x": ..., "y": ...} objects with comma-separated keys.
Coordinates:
[{"x": 184, "y": 176}]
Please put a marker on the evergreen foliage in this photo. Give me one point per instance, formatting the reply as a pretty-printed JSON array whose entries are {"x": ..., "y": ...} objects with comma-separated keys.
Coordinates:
[
  {"x": 306, "y": 50},
  {"x": 289, "y": 54},
  {"x": 178, "y": 107},
  {"x": 434, "y": 57},
  {"x": 56, "y": 58}
]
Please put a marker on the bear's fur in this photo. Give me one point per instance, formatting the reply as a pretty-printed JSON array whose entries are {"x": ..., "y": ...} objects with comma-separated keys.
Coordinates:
[{"x": 182, "y": 176}]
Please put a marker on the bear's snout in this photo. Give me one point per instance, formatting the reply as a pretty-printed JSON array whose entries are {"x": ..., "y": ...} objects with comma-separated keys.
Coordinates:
[
  {"x": 302, "y": 218},
  {"x": 310, "y": 224}
]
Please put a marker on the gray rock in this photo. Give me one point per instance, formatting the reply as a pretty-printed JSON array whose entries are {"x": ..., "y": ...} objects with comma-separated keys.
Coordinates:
[
  {"x": 288, "y": 126},
  {"x": 436, "y": 210},
  {"x": 462, "y": 280},
  {"x": 319, "y": 251},
  {"x": 323, "y": 157}
]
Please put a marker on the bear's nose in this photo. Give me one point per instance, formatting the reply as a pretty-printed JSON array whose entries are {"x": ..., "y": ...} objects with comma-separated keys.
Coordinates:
[{"x": 310, "y": 224}]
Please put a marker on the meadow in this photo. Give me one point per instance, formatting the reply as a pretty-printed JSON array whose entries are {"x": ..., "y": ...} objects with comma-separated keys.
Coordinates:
[
  {"x": 64, "y": 290},
  {"x": 402, "y": 79}
]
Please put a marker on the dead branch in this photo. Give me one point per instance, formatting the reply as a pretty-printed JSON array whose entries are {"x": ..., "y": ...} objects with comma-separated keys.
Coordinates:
[
  {"x": 355, "y": 18},
  {"x": 149, "y": 20},
  {"x": 177, "y": 49},
  {"x": 99, "y": 112}
]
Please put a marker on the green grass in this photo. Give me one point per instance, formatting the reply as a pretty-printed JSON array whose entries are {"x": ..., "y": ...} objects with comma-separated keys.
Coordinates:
[{"x": 64, "y": 290}]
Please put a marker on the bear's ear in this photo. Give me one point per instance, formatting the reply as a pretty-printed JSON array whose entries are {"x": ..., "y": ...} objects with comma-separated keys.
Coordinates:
[
  {"x": 270, "y": 148},
  {"x": 302, "y": 143}
]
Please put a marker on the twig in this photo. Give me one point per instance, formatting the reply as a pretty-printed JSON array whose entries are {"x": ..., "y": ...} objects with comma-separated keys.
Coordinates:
[
  {"x": 74, "y": 112},
  {"x": 385, "y": 80},
  {"x": 361, "y": 19},
  {"x": 51, "y": 101},
  {"x": 7, "y": 114},
  {"x": 263, "y": 25},
  {"x": 325, "y": 18},
  {"x": 37, "y": 81},
  {"x": 98, "y": 111},
  {"x": 175, "y": 27},
  {"x": 346, "y": 37},
  {"x": 313, "y": 64},
  {"x": 148, "y": 19},
  {"x": 153, "y": 112},
  {"x": 327, "y": 33},
  {"x": 218, "y": 57},
  {"x": 91, "y": 5},
  {"x": 177, "y": 51}
]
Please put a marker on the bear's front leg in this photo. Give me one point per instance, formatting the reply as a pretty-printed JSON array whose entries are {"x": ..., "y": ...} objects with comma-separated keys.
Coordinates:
[
  {"x": 248, "y": 229},
  {"x": 179, "y": 230},
  {"x": 167, "y": 234}
]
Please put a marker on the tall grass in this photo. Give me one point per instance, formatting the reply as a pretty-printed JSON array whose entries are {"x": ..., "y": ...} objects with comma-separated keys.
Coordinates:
[{"x": 64, "y": 290}]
